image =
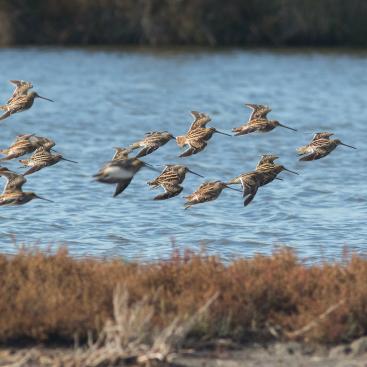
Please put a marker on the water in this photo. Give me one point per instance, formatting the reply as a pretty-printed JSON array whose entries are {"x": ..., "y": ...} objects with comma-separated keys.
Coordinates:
[{"x": 107, "y": 97}]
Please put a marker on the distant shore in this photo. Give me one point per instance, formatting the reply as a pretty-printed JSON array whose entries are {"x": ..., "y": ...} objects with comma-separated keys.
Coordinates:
[{"x": 191, "y": 22}]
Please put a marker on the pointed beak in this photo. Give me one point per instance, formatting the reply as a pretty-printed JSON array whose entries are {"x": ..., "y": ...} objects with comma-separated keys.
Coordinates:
[
  {"x": 288, "y": 170},
  {"x": 68, "y": 160},
  {"x": 147, "y": 165},
  {"x": 349, "y": 146},
  {"x": 39, "y": 197},
  {"x": 232, "y": 188},
  {"x": 287, "y": 127},
  {"x": 189, "y": 170},
  {"x": 221, "y": 132},
  {"x": 47, "y": 99}
]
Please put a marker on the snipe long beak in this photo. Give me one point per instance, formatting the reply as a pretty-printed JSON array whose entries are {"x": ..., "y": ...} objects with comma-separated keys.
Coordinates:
[
  {"x": 189, "y": 170},
  {"x": 221, "y": 132},
  {"x": 287, "y": 127},
  {"x": 232, "y": 188},
  {"x": 47, "y": 99},
  {"x": 349, "y": 146},
  {"x": 68, "y": 160},
  {"x": 147, "y": 165},
  {"x": 39, "y": 197},
  {"x": 288, "y": 170}
]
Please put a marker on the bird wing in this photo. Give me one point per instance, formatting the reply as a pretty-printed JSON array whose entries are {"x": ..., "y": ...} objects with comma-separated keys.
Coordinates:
[
  {"x": 317, "y": 153},
  {"x": 14, "y": 181},
  {"x": 200, "y": 120},
  {"x": 170, "y": 191},
  {"x": 258, "y": 111},
  {"x": 168, "y": 176},
  {"x": 17, "y": 104},
  {"x": 121, "y": 186},
  {"x": 147, "y": 150}
]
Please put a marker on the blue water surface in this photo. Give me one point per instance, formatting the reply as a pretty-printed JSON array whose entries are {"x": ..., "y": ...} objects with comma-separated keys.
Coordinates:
[{"x": 111, "y": 97}]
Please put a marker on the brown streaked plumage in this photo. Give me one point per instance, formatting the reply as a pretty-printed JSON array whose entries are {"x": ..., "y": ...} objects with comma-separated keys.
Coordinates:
[
  {"x": 196, "y": 140},
  {"x": 208, "y": 191},
  {"x": 198, "y": 134},
  {"x": 151, "y": 142},
  {"x": 120, "y": 172},
  {"x": 20, "y": 104},
  {"x": 26, "y": 143},
  {"x": 170, "y": 179},
  {"x": 21, "y": 89},
  {"x": 259, "y": 111},
  {"x": 121, "y": 154},
  {"x": 13, "y": 194},
  {"x": 40, "y": 159},
  {"x": 200, "y": 120},
  {"x": 266, "y": 159},
  {"x": 261, "y": 125},
  {"x": 319, "y": 148}
]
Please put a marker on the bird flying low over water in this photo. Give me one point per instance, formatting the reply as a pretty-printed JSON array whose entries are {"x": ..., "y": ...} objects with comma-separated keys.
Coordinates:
[
  {"x": 261, "y": 125},
  {"x": 26, "y": 143},
  {"x": 20, "y": 104},
  {"x": 208, "y": 191},
  {"x": 42, "y": 158},
  {"x": 170, "y": 179},
  {"x": 151, "y": 142},
  {"x": 319, "y": 147},
  {"x": 258, "y": 122},
  {"x": 21, "y": 89},
  {"x": 266, "y": 171},
  {"x": 259, "y": 111},
  {"x": 121, "y": 172},
  {"x": 197, "y": 136},
  {"x": 13, "y": 194}
]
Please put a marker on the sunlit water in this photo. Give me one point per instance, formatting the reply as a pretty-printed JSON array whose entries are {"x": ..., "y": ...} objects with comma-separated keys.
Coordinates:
[{"x": 107, "y": 98}]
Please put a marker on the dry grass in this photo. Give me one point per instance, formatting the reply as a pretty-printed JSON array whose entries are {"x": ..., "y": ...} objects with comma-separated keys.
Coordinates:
[{"x": 53, "y": 297}]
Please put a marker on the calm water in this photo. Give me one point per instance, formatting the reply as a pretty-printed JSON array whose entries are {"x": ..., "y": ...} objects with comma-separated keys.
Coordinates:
[{"x": 107, "y": 98}]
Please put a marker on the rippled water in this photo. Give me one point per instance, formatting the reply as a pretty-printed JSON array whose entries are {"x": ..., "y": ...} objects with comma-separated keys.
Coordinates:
[{"x": 107, "y": 98}]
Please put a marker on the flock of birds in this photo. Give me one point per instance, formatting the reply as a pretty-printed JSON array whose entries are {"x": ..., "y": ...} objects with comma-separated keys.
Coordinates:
[{"x": 121, "y": 169}]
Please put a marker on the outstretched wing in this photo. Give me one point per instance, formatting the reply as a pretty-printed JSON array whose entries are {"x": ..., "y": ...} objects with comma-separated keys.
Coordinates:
[
  {"x": 14, "y": 181},
  {"x": 169, "y": 191},
  {"x": 258, "y": 110},
  {"x": 200, "y": 120},
  {"x": 121, "y": 186}
]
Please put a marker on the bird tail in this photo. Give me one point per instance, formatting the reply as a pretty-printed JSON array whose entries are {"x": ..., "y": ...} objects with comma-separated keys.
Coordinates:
[
  {"x": 181, "y": 140},
  {"x": 4, "y": 108}
]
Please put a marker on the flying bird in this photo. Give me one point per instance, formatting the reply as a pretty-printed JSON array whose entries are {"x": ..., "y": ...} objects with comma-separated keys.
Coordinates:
[
  {"x": 21, "y": 89},
  {"x": 26, "y": 143},
  {"x": 261, "y": 125},
  {"x": 121, "y": 172},
  {"x": 20, "y": 104},
  {"x": 13, "y": 193},
  {"x": 170, "y": 179},
  {"x": 151, "y": 142},
  {"x": 319, "y": 148},
  {"x": 42, "y": 158},
  {"x": 208, "y": 191}
]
